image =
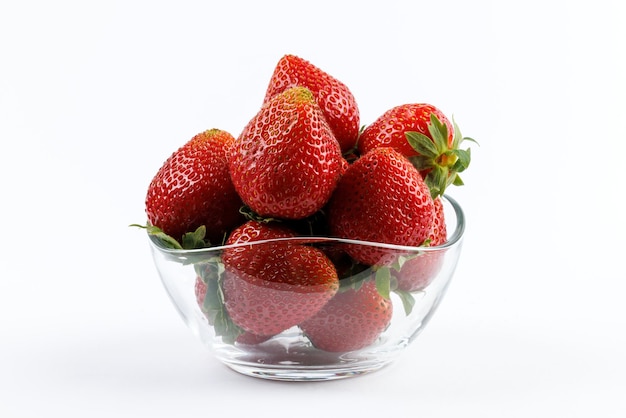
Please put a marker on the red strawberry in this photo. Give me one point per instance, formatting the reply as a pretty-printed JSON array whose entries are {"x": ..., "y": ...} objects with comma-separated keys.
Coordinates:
[
  {"x": 242, "y": 337},
  {"x": 270, "y": 287},
  {"x": 418, "y": 271},
  {"x": 351, "y": 320},
  {"x": 193, "y": 188},
  {"x": 200, "y": 289},
  {"x": 252, "y": 231},
  {"x": 286, "y": 162},
  {"x": 248, "y": 338},
  {"x": 423, "y": 133},
  {"x": 344, "y": 166},
  {"x": 381, "y": 198},
  {"x": 439, "y": 232},
  {"x": 334, "y": 97},
  {"x": 390, "y": 128}
]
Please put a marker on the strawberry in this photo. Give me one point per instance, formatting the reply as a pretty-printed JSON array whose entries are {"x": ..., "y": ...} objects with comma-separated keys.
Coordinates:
[
  {"x": 334, "y": 97},
  {"x": 193, "y": 189},
  {"x": 241, "y": 337},
  {"x": 381, "y": 198},
  {"x": 270, "y": 287},
  {"x": 254, "y": 230},
  {"x": 439, "y": 232},
  {"x": 351, "y": 320},
  {"x": 200, "y": 289},
  {"x": 418, "y": 271},
  {"x": 421, "y": 132},
  {"x": 390, "y": 128},
  {"x": 286, "y": 162}
]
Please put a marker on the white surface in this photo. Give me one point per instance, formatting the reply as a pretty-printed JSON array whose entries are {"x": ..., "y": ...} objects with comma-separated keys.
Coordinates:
[{"x": 95, "y": 95}]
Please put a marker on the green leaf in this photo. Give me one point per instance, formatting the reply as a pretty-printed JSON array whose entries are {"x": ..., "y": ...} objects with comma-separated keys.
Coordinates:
[
  {"x": 421, "y": 162},
  {"x": 213, "y": 300},
  {"x": 383, "y": 282},
  {"x": 251, "y": 215},
  {"x": 467, "y": 138},
  {"x": 209, "y": 269},
  {"x": 463, "y": 160},
  {"x": 408, "y": 301},
  {"x": 226, "y": 328},
  {"x": 422, "y": 144},
  {"x": 164, "y": 239},
  {"x": 457, "y": 135},
  {"x": 457, "y": 180},
  {"x": 195, "y": 239},
  {"x": 437, "y": 180},
  {"x": 399, "y": 262},
  {"x": 439, "y": 132},
  {"x": 214, "y": 308}
]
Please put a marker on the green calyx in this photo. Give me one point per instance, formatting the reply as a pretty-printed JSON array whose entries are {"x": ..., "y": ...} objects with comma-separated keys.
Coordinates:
[
  {"x": 386, "y": 282},
  {"x": 213, "y": 305},
  {"x": 441, "y": 162},
  {"x": 190, "y": 240}
]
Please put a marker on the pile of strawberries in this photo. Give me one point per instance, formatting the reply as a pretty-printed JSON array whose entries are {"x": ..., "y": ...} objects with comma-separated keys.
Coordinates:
[{"x": 303, "y": 167}]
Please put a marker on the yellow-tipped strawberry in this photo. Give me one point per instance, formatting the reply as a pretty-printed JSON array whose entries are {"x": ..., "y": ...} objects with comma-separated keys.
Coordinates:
[
  {"x": 286, "y": 162},
  {"x": 334, "y": 97}
]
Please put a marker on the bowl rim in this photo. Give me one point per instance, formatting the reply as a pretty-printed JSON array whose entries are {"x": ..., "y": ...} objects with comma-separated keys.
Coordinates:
[{"x": 453, "y": 240}]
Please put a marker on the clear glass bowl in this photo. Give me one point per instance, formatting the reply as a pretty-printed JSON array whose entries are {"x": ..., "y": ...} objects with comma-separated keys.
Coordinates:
[{"x": 414, "y": 278}]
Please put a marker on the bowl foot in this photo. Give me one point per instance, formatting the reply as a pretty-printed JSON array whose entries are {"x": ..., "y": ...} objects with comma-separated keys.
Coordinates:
[
  {"x": 293, "y": 358},
  {"x": 299, "y": 373}
]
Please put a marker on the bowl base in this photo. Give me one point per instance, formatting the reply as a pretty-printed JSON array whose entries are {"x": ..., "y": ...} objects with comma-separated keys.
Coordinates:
[
  {"x": 290, "y": 357},
  {"x": 303, "y": 373}
]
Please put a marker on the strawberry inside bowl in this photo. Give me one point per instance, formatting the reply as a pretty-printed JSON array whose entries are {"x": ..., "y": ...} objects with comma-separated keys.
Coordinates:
[{"x": 274, "y": 304}]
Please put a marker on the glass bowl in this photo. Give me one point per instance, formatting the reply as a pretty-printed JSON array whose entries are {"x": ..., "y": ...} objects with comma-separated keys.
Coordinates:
[{"x": 344, "y": 337}]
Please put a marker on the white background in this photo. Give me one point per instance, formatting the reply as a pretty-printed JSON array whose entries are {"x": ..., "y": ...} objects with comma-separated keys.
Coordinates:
[{"x": 94, "y": 96}]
